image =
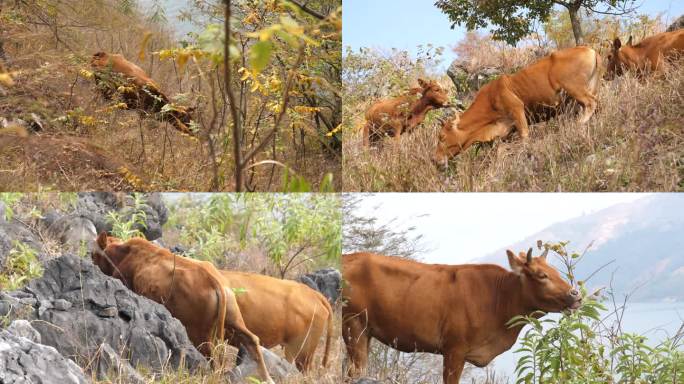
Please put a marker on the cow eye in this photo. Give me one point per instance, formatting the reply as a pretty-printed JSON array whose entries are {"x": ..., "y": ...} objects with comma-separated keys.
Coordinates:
[{"x": 542, "y": 275}]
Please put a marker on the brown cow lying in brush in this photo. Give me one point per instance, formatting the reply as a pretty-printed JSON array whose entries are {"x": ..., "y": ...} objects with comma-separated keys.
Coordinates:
[
  {"x": 193, "y": 291},
  {"x": 647, "y": 56},
  {"x": 399, "y": 115},
  {"x": 285, "y": 313},
  {"x": 458, "y": 311},
  {"x": 501, "y": 104},
  {"x": 137, "y": 90}
]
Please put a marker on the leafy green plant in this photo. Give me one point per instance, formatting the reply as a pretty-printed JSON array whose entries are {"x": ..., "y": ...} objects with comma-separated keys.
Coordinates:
[
  {"x": 578, "y": 348},
  {"x": 10, "y": 199},
  {"x": 128, "y": 222},
  {"x": 21, "y": 265}
]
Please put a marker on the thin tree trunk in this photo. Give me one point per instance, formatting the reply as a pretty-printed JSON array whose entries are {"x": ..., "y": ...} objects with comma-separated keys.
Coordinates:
[
  {"x": 576, "y": 24},
  {"x": 237, "y": 127}
]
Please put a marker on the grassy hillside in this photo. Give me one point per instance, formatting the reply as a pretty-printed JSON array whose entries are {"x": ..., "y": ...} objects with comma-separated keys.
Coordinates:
[
  {"x": 89, "y": 143},
  {"x": 633, "y": 143}
]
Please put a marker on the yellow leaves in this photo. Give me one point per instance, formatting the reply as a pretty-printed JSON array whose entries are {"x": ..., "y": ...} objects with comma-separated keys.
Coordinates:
[
  {"x": 306, "y": 109},
  {"x": 334, "y": 131},
  {"x": 143, "y": 45},
  {"x": 6, "y": 79},
  {"x": 88, "y": 121},
  {"x": 251, "y": 18},
  {"x": 125, "y": 89},
  {"x": 181, "y": 55},
  {"x": 86, "y": 73},
  {"x": 131, "y": 178}
]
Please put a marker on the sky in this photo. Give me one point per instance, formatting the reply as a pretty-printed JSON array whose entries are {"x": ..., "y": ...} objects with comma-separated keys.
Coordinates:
[
  {"x": 459, "y": 227},
  {"x": 404, "y": 24}
]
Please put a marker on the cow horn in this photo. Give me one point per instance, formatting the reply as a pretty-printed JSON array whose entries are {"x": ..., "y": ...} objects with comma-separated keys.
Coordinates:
[
  {"x": 545, "y": 253},
  {"x": 529, "y": 256},
  {"x": 629, "y": 42}
]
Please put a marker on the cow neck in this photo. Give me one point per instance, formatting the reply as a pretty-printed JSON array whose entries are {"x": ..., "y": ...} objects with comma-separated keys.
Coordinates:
[
  {"x": 419, "y": 109},
  {"x": 510, "y": 301}
]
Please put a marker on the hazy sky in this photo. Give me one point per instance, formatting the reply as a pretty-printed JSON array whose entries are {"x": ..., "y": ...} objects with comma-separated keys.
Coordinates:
[
  {"x": 405, "y": 24},
  {"x": 459, "y": 227}
]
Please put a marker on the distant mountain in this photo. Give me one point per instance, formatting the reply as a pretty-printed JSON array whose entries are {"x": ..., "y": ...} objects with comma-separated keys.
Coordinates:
[{"x": 644, "y": 238}]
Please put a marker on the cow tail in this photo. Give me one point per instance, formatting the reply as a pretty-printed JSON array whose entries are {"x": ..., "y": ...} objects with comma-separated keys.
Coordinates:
[
  {"x": 219, "y": 326},
  {"x": 328, "y": 337},
  {"x": 596, "y": 74}
]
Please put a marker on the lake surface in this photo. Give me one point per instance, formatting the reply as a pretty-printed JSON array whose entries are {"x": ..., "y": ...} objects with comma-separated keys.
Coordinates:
[{"x": 656, "y": 321}]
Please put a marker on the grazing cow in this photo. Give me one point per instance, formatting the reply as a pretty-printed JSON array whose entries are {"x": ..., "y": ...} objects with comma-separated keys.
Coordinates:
[
  {"x": 458, "y": 311},
  {"x": 137, "y": 89},
  {"x": 645, "y": 57},
  {"x": 193, "y": 291},
  {"x": 402, "y": 114},
  {"x": 502, "y": 103},
  {"x": 285, "y": 313}
]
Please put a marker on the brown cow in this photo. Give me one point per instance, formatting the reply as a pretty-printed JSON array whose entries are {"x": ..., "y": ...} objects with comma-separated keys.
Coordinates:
[
  {"x": 138, "y": 90},
  {"x": 647, "y": 56},
  {"x": 458, "y": 311},
  {"x": 283, "y": 312},
  {"x": 402, "y": 114},
  {"x": 502, "y": 103},
  {"x": 193, "y": 291}
]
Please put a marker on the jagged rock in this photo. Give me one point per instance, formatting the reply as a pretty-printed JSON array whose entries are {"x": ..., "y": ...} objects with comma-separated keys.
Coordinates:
[
  {"x": 23, "y": 361},
  {"x": 277, "y": 367},
  {"x": 100, "y": 310},
  {"x": 36, "y": 123},
  {"x": 13, "y": 230},
  {"x": 23, "y": 328},
  {"x": 74, "y": 232},
  {"x": 109, "y": 364},
  {"x": 327, "y": 281},
  {"x": 470, "y": 81},
  {"x": 678, "y": 24},
  {"x": 179, "y": 250}
]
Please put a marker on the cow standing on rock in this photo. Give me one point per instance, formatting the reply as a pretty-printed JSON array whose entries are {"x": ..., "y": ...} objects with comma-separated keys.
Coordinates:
[
  {"x": 193, "y": 291},
  {"x": 402, "y": 114},
  {"x": 116, "y": 74},
  {"x": 458, "y": 311},
  {"x": 502, "y": 103},
  {"x": 645, "y": 57}
]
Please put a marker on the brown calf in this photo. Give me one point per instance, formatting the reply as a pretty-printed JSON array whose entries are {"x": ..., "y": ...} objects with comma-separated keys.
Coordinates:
[
  {"x": 402, "y": 114},
  {"x": 645, "y": 57}
]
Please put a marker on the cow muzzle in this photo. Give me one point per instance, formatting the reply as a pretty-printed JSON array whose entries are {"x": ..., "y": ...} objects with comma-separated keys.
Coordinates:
[{"x": 574, "y": 300}]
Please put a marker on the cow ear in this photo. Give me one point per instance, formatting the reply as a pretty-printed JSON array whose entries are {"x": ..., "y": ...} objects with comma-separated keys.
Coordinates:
[
  {"x": 529, "y": 256},
  {"x": 629, "y": 42},
  {"x": 102, "y": 240},
  {"x": 515, "y": 263},
  {"x": 617, "y": 43},
  {"x": 422, "y": 83}
]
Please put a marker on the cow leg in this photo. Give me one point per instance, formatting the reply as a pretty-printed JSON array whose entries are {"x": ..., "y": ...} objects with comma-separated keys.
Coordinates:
[
  {"x": 584, "y": 97},
  {"x": 453, "y": 367},
  {"x": 357, "y": 340},
  {"x": 243, "y": 337},
  {"x": 516, "y": 111}
]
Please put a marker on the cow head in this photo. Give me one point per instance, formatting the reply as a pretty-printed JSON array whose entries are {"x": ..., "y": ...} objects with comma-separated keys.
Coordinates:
[
  {"x": 543, "y": 287},
  {"x": 616, "y": 59},
  {"x": 100, "y": 60},
  {"x": 433, "y": 94},
  {"x": 108, "y": 252},
  {"x": 450, "y": 142}
]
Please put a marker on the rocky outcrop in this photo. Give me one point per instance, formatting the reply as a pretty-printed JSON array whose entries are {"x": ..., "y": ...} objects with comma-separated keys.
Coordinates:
[
  {"x": 678, "y": 24},
  {"x": 79, "y": 309},
  {"x": 25, "y": 361},
  {"x": 14, "y": 230},
  {"x": 470, "y": 81},
  {"x": 327, "y": 281},
  {"x": 277, "y": 367},
  {"x": 89, "y": 217}
]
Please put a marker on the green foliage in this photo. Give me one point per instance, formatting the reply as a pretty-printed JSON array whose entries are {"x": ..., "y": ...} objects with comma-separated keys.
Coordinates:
[
  {"x": 128, "y": 222},
  {"x": 292, "y": 229},
  {"x": 578, "y": 347},
  {"x": 21, "y": 265},
  {"x": 511, "y": 20},
  {"x": 10, "y": 199}
]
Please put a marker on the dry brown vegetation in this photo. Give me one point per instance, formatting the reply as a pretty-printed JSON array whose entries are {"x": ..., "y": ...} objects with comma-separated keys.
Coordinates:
[
  {"x": 49, "y": 47},
  {"x": 634, "y": 142}
]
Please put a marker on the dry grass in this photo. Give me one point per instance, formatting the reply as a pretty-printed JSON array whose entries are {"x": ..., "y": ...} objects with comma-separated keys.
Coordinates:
[{"x": 634, "y": 142}]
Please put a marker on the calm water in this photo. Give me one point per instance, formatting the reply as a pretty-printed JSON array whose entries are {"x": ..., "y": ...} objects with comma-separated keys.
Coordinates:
[{"x": 654, "y": 320}]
